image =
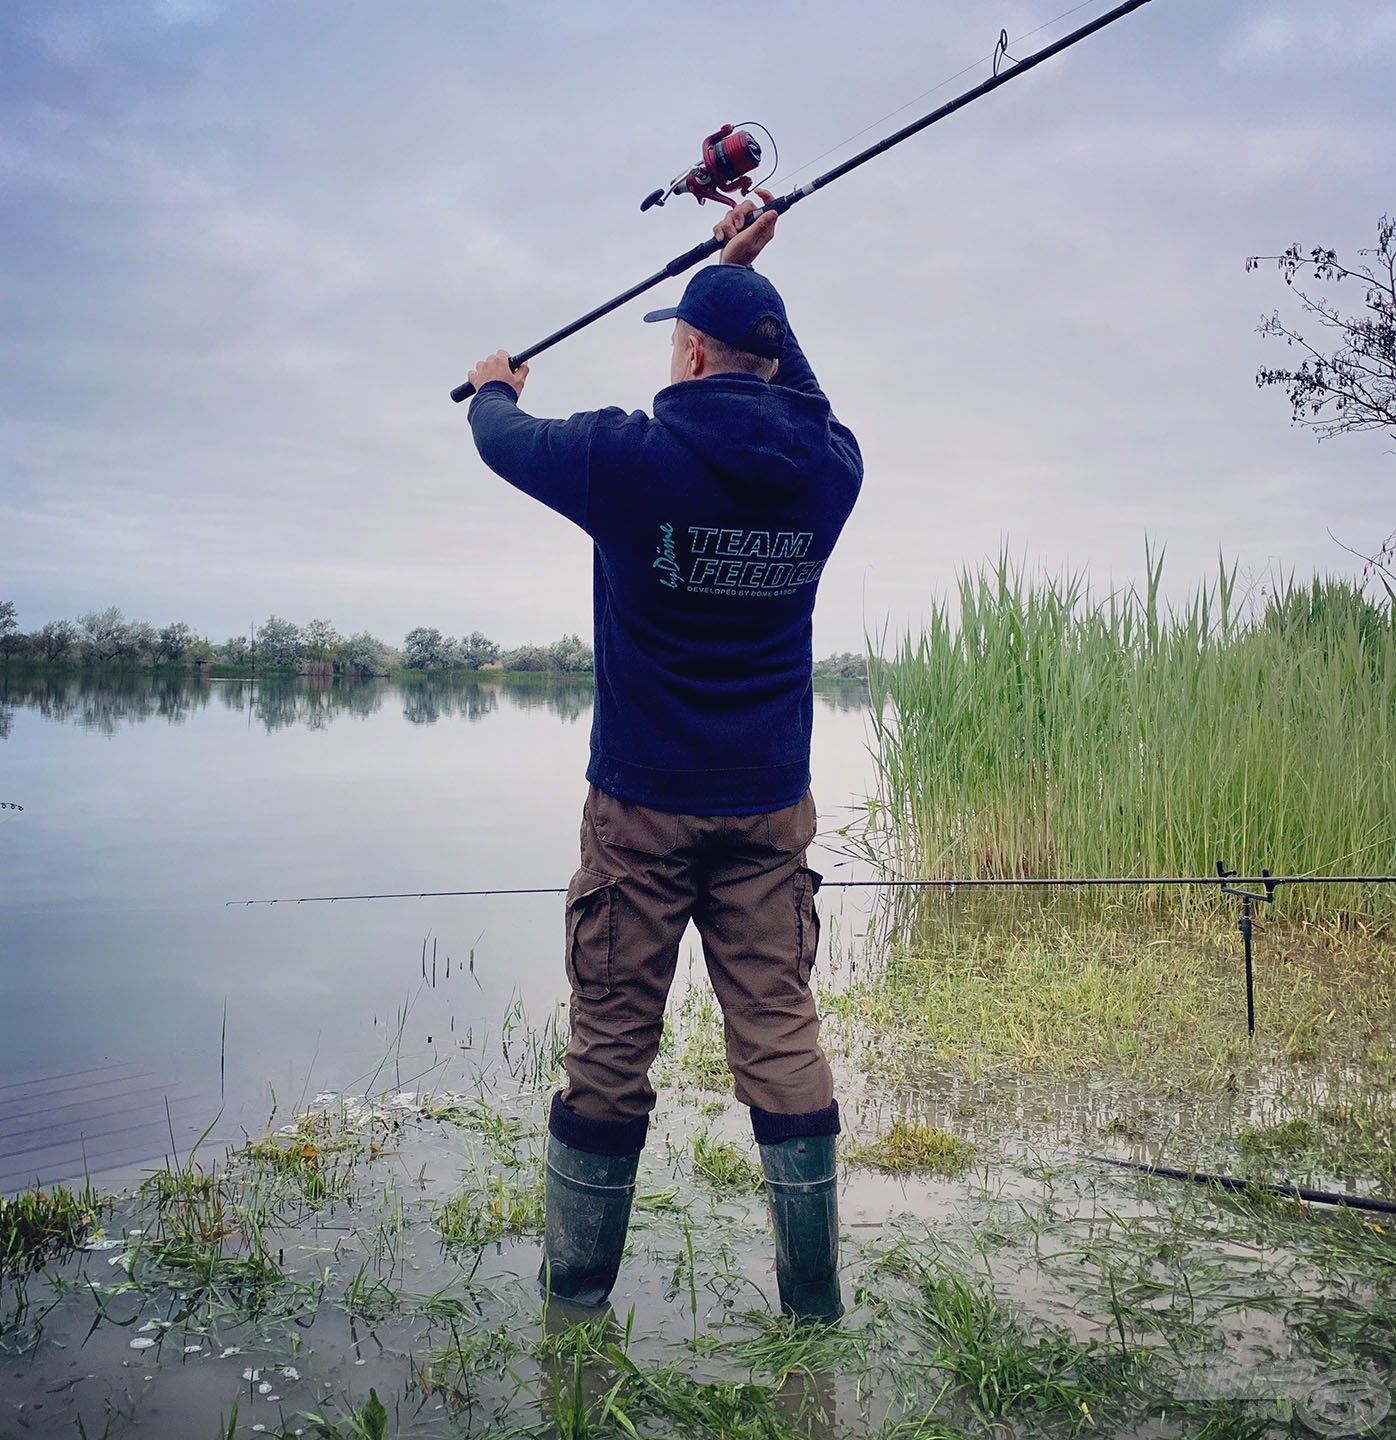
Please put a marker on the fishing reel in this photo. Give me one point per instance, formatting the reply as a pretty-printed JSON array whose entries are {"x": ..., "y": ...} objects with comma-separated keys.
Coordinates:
[{"x": 729, "y": 156}]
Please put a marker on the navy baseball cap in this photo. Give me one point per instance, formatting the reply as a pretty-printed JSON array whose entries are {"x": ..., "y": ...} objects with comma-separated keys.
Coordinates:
[{"x": 727, "y": 302}]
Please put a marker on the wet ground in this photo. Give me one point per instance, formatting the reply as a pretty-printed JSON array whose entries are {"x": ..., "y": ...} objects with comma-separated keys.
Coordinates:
[{"x": 388, "y": 1248}]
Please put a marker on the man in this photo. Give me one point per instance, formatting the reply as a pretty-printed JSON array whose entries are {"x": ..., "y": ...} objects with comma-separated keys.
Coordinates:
[{"x": 711, "y": 523}]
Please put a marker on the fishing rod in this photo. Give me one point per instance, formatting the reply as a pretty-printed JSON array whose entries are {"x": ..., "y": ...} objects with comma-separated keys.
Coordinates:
[
  {"x": 1228, "y": 881},
  {"x": 729, "y": 154},
  {"x": 1238, "y": 1185}
]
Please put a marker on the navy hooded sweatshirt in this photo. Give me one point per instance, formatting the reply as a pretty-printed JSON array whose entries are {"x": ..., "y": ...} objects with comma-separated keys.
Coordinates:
[{"x": 711, "y": 523}]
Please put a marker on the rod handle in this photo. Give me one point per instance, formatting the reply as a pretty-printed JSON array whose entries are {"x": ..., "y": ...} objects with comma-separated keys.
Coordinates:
[{"x": 464, "y": 392}]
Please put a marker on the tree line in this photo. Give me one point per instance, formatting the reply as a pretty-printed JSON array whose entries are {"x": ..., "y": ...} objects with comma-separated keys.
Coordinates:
[{"x": 109, "y": 637}]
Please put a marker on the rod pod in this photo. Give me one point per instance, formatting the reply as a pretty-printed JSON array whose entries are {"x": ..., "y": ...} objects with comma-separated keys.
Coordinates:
[{"x": 782, "y": 203}]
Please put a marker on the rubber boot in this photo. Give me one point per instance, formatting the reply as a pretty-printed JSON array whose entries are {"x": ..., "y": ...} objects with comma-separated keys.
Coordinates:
[
  {"x": 586, "y": 1214},
  {"x": 802, "y": 1186}
]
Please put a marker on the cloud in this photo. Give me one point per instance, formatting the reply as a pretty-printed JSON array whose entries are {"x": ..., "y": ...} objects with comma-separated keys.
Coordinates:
[{"x": 1340, "y": 33}]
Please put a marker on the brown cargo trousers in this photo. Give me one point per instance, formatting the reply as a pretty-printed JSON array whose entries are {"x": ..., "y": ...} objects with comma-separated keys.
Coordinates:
[{"x": 744, "y": 882}]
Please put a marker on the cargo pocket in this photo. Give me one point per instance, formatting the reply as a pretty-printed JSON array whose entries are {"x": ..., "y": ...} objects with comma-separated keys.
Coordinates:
[
  {"x": 591, "y": 933},
  {"x": 807, "y": 883}
]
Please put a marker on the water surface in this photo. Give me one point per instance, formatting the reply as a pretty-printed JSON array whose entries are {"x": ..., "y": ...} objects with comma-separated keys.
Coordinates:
[{"x": 150, "y": 803}]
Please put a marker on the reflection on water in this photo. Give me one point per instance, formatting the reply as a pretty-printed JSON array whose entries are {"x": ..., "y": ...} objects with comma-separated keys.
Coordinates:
[
  {"x": 100, "y": 702},
  {"x": 104, "y": 702},
  {"x": 115, "y": 943}
]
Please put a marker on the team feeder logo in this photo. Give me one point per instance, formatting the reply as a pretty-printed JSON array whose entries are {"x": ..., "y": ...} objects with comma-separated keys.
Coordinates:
[{"x": 719, "y": 561}]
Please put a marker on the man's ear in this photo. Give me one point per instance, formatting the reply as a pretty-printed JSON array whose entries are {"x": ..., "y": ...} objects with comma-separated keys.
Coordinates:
[
  {"x": 775, "y": 365},
  {"x": 700, "y": 354}
]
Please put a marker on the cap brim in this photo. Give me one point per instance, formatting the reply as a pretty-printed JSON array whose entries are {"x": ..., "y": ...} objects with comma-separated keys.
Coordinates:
[{"x": 668, "y": 314}]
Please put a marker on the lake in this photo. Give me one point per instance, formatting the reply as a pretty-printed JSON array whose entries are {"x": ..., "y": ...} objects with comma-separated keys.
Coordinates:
[{"x": 150, "y": 803}]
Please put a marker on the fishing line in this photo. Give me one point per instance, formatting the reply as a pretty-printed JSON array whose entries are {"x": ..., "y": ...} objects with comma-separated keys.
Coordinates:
[
  {"x": 727, "y": 156},
  {"x": 991, "y": 59}
]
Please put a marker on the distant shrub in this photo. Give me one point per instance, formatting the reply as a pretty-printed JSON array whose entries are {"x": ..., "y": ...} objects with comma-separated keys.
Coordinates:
[
  {"x": 363, "y": 655},
  {"x": 426, "y": 648},
  {"x": 526, "y": 657},
  {"x": 846, "y": 665},
  {"x": 279, "y": 644},
  {"x": 475, "y": 651},
  {"x": 572, "y": 655}
]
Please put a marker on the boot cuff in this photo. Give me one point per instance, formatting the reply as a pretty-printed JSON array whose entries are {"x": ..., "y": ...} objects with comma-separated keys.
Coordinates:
[
  {"x": 771, "y": 1128},
  {"x": 597, "y": 1137}
]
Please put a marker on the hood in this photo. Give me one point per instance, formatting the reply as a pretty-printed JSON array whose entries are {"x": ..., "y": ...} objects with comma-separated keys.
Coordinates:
[{"x": 747, "y": 428}]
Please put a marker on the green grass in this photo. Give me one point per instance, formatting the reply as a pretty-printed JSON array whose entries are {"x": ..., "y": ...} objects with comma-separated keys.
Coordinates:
[
  {"x": 210, "y": 1226},
  {"x": 726, "y": 1165},
  {"x": 1280, "y": 1138},
  {"x": 981, "y": 1345},
  {"x": 1036, "y": 728},
  {"x": 698, "y": 1047},
  {"x": 908, "y": 1148},
  {"x": 368, "y": 1421},
  {"x": 491, "y": 1209},
  {"x": 41, "y": 1224},
  {"x": 315, "y": 1156},
  {"x": 1161, "y": 1002}
]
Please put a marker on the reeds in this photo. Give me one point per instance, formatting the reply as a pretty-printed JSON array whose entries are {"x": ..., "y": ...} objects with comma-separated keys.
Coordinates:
[{"x": 1036, "y": 729}]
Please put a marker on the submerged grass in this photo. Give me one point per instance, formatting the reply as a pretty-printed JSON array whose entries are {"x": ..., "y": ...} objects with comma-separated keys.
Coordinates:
[
  {"x": 1037, "y": 729},
  {"x": 989, "y": 1355},
  {"x": 726, "y": 1165},
  {"x": 956, "y": 1326},
  {"x": 491, "y": 1208},
  {"x": 315, "y": 1155},
  {"x": 910, "y": 1148},
  {"x": 209, "y": 1226}
]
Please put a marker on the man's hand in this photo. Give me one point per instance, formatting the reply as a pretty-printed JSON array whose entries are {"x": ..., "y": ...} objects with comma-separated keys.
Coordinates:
[
  {"x": 496, "y": 367},
  {"x": 743, "y": 242}
]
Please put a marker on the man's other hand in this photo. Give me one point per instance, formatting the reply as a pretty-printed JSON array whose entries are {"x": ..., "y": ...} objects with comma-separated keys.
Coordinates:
[
  {"x": 742, "y": 243},
  {"x": 496, "y": 367}
]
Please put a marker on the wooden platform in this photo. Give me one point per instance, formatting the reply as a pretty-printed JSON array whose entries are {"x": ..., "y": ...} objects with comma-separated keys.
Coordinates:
[{"x": 61, "y": 1125}]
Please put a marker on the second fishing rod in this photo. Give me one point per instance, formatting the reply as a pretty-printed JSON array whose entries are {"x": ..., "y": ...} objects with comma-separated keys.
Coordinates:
[{"x": 724, "y": 164}]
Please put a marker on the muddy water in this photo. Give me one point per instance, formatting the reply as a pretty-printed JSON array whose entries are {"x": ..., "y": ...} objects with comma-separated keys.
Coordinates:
[{"x": 148, "y": 805}]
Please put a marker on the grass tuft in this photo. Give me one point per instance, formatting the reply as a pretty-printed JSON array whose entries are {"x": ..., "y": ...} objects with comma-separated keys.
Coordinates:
[
  {"x": 1281, "y": 1138},
  {"x": 909, "y": 1148},
  {"x": 491, "y": 1209},
  {"x": 40, "y": 1224},
  {"x": 726, "y": 1165},
  {"x": 315, "y": 1156}
]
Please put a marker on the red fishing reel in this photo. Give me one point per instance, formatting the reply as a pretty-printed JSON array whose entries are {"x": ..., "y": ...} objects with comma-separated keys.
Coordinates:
[{"x": 729, "y": 157}]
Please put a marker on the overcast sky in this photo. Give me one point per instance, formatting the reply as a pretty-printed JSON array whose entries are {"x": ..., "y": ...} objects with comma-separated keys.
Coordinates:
[{"x": 247, "y": 249}]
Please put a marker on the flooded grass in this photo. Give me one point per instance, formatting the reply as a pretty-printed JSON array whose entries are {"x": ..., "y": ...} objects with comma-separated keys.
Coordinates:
[
  {"x": 369, "y": 1267},
  {"x": 1059, "y": 995},
  {"x": 314, "y": 1157},
  {"x": 1038, "y": 1295},
  {"x": 726, "y": 1165},
  {"x": 910, "y": 1148},
  {"x": 491, "y": 1209}
]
